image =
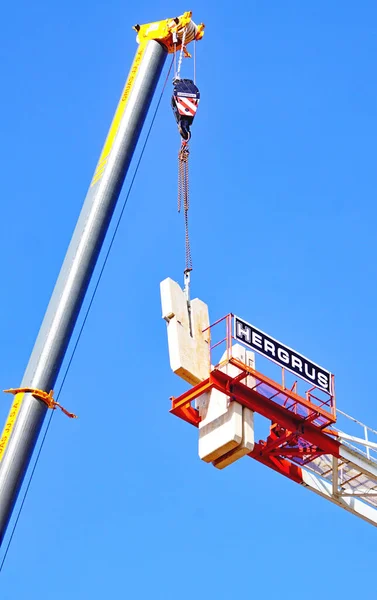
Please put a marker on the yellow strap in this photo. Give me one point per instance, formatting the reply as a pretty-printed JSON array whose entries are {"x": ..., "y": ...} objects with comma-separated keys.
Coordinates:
[{"x": 47, "y": 398}]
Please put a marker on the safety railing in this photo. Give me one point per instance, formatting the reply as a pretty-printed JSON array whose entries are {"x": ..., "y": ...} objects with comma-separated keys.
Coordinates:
[
  {"x": 308, "y": 401},
  {"x": 358, "y": 437}
]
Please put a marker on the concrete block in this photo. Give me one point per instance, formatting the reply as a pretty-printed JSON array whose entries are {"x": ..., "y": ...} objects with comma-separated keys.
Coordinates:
[
  {"x": 245, "y": 446},
  {"x": 188, "y": 348},
  {"x": 226, "y": 431},
  {"x": 221, "y": 431}
]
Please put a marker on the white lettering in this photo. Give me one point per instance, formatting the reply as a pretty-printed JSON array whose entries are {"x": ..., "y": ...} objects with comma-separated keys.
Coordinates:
[
  {"x": 323, "y": 380},
  {"x": 306, "y": 369},
  {"x": 283, "y": 356},
  {"x": 243, "y": 332},
  {"x": 296, "y": 362},
  {"x": 256, "y": 339},
  {"x": 269, "y": 347}
]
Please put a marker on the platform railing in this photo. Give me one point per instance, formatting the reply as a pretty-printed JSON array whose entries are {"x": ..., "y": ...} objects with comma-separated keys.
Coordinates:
[
  {"x": 321, "y": 410},
  {"x": 365, "y": 439}
]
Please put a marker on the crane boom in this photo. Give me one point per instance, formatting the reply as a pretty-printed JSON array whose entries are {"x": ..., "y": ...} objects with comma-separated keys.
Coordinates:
[{"x": 28, "y": 411}]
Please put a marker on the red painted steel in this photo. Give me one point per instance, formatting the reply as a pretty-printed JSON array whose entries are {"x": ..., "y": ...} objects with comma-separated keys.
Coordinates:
[{"x": 299, "y": 426}]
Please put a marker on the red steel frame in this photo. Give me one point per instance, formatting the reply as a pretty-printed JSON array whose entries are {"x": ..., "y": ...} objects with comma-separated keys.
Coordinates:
[{"x": 300, "y": 427}]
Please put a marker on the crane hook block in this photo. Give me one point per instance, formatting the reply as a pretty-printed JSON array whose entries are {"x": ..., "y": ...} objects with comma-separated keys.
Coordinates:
[{"x": 185, "y": 100}]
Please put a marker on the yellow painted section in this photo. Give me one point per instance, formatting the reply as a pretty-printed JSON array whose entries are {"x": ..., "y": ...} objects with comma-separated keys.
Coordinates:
[
  {"x": 163, "y": 31},
  {"x": 118, "y": 115},
  {"x": 8, "y": 428}
]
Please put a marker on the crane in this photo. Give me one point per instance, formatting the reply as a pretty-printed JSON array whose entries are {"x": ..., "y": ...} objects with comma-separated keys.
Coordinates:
[
  {"x": 302, "y": 437},
  {"x": 35, "y": 397}
]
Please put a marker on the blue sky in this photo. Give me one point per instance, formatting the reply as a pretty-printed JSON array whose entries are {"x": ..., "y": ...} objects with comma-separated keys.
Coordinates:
[{"x": 282, "y": 222}]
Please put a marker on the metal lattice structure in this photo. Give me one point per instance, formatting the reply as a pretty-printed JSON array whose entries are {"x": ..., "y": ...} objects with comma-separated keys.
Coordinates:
[{"x": 303, "y": 441}]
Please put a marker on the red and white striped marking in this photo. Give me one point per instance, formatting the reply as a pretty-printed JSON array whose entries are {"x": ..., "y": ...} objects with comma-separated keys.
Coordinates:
[{"x": 186, "y": 106}]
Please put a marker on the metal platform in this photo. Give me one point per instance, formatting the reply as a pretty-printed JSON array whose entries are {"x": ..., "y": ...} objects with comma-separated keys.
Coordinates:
[{"x": 305, "y": 442}]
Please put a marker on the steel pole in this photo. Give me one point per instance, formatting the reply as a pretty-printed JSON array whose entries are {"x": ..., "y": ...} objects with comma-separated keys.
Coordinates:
[{"x": 71, "y": 286}]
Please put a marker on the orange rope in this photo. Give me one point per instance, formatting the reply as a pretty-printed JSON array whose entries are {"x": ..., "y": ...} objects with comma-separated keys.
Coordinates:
[{"x": 47, "y": 398}]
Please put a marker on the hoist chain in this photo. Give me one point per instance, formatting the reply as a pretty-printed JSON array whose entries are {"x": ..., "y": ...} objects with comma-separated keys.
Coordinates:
[{"x": 183, "y": 195}]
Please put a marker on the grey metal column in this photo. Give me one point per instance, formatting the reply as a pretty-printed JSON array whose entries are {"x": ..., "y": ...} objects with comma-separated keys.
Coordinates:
[{"x": 71, "y": 286}]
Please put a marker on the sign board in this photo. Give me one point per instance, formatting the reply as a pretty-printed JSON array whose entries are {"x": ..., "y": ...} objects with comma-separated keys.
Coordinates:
[{"x": 282, "y": 355}]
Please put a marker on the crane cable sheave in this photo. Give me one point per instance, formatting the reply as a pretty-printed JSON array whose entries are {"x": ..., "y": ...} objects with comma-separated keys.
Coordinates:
[{"x": 171, "y": 32}]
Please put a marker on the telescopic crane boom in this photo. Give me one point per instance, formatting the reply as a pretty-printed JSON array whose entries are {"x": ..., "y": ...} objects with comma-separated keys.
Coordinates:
[{"x": 22, "y": 428}]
